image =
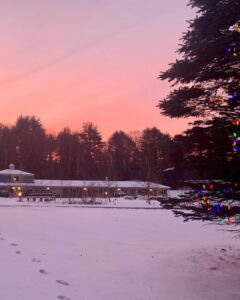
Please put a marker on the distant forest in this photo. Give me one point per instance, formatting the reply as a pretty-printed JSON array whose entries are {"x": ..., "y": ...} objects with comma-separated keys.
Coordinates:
[{"x": 147, "y": 155}]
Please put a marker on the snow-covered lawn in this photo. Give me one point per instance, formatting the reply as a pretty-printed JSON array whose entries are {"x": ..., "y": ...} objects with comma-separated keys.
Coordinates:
[
  {"x": 66, "y": 253},
  {"x": 100, "y": 203}
]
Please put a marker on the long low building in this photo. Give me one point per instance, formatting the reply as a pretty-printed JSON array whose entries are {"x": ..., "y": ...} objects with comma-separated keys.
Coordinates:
[{"x": 19, "y": 183}]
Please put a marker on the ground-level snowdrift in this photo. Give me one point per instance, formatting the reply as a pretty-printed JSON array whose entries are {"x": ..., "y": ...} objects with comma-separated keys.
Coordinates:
[{"x": 103, "y": 254}]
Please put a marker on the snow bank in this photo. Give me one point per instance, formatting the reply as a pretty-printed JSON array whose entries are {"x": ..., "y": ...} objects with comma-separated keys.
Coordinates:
[{"x": 176, "y": 193}]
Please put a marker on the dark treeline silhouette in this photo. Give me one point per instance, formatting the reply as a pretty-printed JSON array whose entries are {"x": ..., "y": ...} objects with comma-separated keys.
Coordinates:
[
  {"x": 83, "y": 154},
  {"x": 149, "y": 155}
]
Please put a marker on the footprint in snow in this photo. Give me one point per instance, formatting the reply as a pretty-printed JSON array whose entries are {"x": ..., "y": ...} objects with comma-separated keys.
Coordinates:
[
  {"x": 36, "y": 260},
  {"x": 61, "y": 297},
  {"x": 2, "y": 239},
  {"x": 18, "y": 252},
  {"x": 42, "y": 271},
  {"x": 14, "y": 245},
  {"x": 62, "y": 282}
]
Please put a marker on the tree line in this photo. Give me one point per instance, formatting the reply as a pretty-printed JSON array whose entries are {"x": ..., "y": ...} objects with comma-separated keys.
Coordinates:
[
  {"x": 83, "y": 154},
  {"x": 147, "y": 155}
]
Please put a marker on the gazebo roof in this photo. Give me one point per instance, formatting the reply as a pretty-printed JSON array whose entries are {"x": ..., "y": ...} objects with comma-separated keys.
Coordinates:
[{"x": 12, "y": 171}]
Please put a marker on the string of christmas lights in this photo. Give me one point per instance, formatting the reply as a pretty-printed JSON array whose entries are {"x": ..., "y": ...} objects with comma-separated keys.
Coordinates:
[
  {"x": 233, "y": 52},
  {"x": 235, "y": 27},
  {"x": 217, "y": 210}
]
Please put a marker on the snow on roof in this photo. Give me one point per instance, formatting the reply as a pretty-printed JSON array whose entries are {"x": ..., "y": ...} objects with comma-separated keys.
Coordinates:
[
  {"x": 169, "y": 169},
  {"x": 98, "y": 183},
  {"x": 14, "y": 172},
  {"x": 202, "y": 181},
  {"x": 16, "y": 184}
]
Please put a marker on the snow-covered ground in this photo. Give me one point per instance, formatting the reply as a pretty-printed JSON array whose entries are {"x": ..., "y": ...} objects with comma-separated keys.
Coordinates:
[
  {"x": 74, "y": 202},
  {"x": 176, "y": 193},
  {"x": 64, "y": 253}
]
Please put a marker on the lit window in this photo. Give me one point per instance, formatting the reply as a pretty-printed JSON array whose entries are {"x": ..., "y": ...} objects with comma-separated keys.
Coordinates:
[{"x": 15, "y": 178}]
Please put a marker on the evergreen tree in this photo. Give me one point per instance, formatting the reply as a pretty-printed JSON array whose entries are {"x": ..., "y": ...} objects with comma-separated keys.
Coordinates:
[
  {"x": 206, "y": 69},
  {"x": 156, "y": 152},
  {"x": 121, "y": 151},
  {"x": 207, "y": 83},
  {"x": 91, "y": 152},
  {"x": 68, "y": 148},
  {"x": 30, "y": 144}
]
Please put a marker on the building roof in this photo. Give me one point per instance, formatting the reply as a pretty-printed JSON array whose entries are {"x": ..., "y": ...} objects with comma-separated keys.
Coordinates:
[
  {"x": 12, "y": 171},
  {"x": 87, "y": 183},
  {"x": 77, "y": 183},
  {"x": 98, "y": 183}
]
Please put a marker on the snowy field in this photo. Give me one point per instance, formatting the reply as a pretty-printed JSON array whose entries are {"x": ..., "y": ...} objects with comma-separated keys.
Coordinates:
[
  {"x": 71, "y": 253},
  {"x": 74, "y": 202}
]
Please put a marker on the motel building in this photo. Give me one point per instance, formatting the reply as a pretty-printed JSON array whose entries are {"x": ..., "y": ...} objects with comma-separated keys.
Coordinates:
[{"x": 17, "y": 183}]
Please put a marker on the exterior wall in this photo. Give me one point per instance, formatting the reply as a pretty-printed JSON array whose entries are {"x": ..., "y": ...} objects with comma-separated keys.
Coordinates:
[
  {"x": 76, "y": 192},
  {"x": 17, "y": 178}
]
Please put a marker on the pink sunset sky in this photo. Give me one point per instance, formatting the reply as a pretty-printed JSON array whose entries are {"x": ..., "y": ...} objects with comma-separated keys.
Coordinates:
[{"x": 73, "y": 61}]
